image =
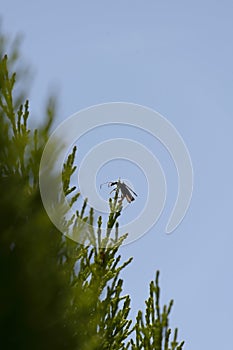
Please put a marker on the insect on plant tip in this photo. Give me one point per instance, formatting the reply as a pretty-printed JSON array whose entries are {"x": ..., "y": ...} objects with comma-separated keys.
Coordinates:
[{"x": 126, "y": 191}]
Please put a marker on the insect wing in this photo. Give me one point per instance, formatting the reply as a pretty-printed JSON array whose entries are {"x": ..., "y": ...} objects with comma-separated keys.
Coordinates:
[
  {"x": 131, "y": 190},
  {"x": 126, "y": 193},
  {"x": 129, "y": 198}
]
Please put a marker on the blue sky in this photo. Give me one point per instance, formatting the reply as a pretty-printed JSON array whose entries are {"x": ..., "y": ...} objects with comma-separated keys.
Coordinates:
[{"x": 175, "y": 57}]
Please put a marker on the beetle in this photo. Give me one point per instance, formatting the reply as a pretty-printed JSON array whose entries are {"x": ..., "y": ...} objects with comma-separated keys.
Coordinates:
[{"x": 125, "y": 190}]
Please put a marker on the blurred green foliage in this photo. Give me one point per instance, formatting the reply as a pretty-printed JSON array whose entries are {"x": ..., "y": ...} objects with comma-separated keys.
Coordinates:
[{"x": 55, "y": 293}]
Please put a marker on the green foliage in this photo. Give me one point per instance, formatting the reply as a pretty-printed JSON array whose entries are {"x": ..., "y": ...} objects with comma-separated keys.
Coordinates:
[
  {"x": 155, "y": 333},
  {"x": 54, "y": 293},
  {"x": 33, "y": 287}
]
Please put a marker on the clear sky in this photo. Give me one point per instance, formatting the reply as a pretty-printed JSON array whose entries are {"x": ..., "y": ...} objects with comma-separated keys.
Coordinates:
[{"x": 175, "y": 57}]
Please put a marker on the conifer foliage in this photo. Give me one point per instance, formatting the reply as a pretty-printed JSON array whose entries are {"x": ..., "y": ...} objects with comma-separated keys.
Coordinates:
[{"x": 55, "y": 293}]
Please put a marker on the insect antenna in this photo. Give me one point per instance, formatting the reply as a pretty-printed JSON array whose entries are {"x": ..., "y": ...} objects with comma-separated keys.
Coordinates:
[{"x": 104, "y": 184}]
